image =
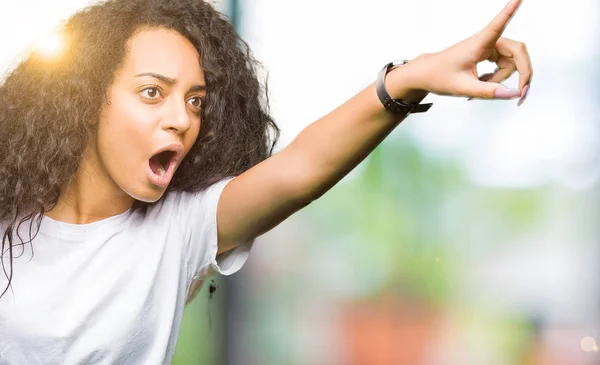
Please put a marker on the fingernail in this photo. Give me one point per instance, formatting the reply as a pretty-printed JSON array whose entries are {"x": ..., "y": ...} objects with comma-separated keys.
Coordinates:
[
  {"x": 507, "y": 93},
  {"x": 523, "y": 95}
]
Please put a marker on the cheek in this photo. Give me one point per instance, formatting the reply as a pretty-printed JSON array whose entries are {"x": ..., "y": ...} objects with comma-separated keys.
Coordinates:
[
  {"x": 121, "y": 136},
  {"x": 125, "y": 121}
]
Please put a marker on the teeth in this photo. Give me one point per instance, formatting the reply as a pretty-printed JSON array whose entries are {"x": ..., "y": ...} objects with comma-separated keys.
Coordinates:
[{"x": 161, "y": 171}]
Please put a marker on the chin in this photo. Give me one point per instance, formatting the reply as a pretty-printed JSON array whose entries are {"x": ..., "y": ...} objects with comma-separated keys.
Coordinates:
[{"x": 148, "y": 195}]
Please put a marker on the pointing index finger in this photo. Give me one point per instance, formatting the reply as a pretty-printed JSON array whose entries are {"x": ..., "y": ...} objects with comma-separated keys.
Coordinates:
[{"x": 494, "y": 30}]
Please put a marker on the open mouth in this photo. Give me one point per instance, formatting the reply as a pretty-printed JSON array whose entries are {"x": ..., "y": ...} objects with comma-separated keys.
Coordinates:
[
  {"x": 159, "y": 163},
  {"x": 161, "y": 166}
]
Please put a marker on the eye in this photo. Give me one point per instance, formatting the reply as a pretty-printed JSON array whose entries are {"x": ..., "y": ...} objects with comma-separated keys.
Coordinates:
[
  {"x": 196, "y": 102},
  {"x": 150, "y": 93}
]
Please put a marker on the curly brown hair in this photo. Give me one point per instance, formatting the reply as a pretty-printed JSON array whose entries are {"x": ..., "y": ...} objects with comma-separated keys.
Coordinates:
[{"x": 49, "y": 108}]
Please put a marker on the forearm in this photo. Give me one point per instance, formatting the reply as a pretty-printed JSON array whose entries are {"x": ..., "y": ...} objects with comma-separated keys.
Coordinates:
[{"x": 331, "y": 147}]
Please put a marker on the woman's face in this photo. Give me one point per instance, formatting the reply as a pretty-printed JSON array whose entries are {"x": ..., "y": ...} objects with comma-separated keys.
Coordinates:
[{"x": 152, "y": 117}]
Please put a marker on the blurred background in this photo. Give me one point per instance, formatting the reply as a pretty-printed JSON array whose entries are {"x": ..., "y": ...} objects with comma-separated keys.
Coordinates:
[{"x": 468, "y": 237}]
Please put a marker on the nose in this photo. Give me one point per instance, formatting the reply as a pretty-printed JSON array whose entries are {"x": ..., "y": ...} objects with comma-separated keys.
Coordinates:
[{"x": 177, "y": 118}]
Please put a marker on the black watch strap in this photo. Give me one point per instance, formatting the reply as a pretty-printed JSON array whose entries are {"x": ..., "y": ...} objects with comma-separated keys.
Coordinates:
[{"x": 391, "y": 104}]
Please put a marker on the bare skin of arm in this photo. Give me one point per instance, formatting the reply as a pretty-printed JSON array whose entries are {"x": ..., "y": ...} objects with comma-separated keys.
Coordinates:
[{"x": 328, "y": 149}]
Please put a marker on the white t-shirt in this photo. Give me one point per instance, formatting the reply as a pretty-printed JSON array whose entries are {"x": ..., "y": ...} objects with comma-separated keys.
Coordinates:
[{"x": 112, "y": 291}]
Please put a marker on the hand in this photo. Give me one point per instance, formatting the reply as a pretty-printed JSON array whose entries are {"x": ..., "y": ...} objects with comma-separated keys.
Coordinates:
[{"x": 453, "y": 71}]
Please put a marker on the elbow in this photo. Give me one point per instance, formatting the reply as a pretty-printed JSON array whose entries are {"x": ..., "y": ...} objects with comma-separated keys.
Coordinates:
[
  {"x": 310, "y": 187},
  {"x": 307, "y": 179},
  {"x": 305, "y": 197}
]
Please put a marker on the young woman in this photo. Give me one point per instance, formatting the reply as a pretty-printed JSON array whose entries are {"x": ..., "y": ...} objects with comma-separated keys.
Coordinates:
[{"x": 137, "y": 163}]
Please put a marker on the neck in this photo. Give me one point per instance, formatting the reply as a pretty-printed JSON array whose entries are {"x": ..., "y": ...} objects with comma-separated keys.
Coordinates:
[{"x": 91, "y": 196}]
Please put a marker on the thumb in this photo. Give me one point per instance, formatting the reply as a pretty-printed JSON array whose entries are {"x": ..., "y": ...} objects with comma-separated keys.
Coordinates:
[{"x": 489, "y": 90}]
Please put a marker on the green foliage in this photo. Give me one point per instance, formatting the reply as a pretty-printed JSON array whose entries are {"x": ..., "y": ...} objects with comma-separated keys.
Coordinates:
[
  {"x": 406, "y": 218},
  {"x": 394, "y": 210},
  {"x": 200, "y": 333}
]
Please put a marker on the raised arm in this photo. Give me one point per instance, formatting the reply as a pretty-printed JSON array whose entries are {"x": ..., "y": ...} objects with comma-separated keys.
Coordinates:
[{"x": 326, "y": 150}]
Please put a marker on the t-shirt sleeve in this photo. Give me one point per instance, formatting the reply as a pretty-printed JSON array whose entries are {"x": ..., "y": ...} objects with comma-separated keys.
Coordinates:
[{"x": 201, "y": 236}]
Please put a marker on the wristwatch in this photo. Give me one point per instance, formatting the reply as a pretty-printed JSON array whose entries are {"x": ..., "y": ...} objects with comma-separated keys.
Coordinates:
[{"x": 396, "y": 106}]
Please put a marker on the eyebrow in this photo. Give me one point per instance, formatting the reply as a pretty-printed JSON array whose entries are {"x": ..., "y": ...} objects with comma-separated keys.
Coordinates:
[{"x": 170, "y": 81}]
